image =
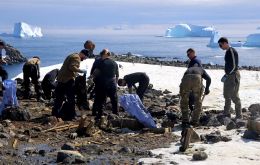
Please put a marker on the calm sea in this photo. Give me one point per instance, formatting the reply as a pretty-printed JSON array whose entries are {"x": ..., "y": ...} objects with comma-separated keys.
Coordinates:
[{"x": 53, "y": 49}]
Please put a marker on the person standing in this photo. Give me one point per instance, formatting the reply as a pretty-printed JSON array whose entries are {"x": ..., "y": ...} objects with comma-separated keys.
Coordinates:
[
  {"x": 192, "y": 82},
  {"x": 65, "y": 86},
  {"x": 31, "y": 70},
  {"x": 106, "y": 76},
  {"x": 131, "y": 79},
  {"x": 2, "y": 47},
  {"x": 231, "y": 78},
  {"x": 194, "y": 62}
]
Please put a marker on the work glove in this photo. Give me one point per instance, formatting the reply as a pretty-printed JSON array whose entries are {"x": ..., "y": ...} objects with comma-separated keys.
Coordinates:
[
  {"x": 84, "y": 71},
  {"x": 206, "y": 91}
]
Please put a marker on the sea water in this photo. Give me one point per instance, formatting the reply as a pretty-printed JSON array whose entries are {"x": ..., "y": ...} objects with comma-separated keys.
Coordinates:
[{"x": 53, "y": 49}]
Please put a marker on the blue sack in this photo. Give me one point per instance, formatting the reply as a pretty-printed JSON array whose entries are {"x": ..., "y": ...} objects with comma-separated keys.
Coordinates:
[
  {"x": 133, "y": 105},
  {"x": 9, "y": 95}
]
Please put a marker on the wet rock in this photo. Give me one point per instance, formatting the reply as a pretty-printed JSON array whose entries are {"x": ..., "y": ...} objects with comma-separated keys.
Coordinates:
[
  {"x": 125, "y": 150},
  {"x": 173, "y": 116},
  {"x": 156, "y": 111},
  {"x": 37, "y": 129},
  {"x": 30, "y": 151},
  {"x": 197, "y": 156},
  {"x": 160, "y": 156},
  {"x": 213, "y": 137},
  {"x": 231, "y": 125},
  {"x": 16, "y": 114},
  {"x": 91, "y": 149},
  {"x": 68, "y": 146},
  {"x": 74, "y": 156},
  {"x": 248, "y": 134},
  {"x": 226, "y": 138},
  {"x": 168, "y": 123}
]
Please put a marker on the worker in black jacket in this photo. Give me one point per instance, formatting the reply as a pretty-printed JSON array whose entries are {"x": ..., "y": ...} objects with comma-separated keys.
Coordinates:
[
  {"x": 192, "y": 82},
  {"x": 49, "y": 83},
  {"x": 106, "y": 76},
  {"x": 131, "y": 79},
  {"x": 231, "y": 78}
]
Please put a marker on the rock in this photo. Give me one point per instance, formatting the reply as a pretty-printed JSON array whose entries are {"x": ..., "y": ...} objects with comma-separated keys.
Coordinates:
[
  {"x": 13, "y": 55},
  {"x": 213, "y": 122},
  {"x": 254, "y": 109},
  {"x": 156, "y": 111},
  {"x": 36, "y": 128},
  {"x": 199, "y": 156},
  {"x": 254, "y": 125},
  {"x": 194, "y": 137},
  {"x": 225, "y": 138},
  {"x": 166, "y": 91},
  {"x": 248, "y": 134},
  {"x": 168, "y": 123},
  {"x": 42, "y": 153},
  {"x": 68, "y": 146},
  {"x": 241, "y": 123},
  {"x": 130, "y": 123},
  {"x": 244, "y": 110},
  {"x": 213, "y": 137},
  {"x": 16, "y": 114},
  {"x": 91, "y": 149},
  {"x": 74, "y": 155},
  {"x": 231, "y": 125},
  {"x": 5, "y": 135},
  {"x": 125, "y": 150},
  {"x": 29, "y": 150}
]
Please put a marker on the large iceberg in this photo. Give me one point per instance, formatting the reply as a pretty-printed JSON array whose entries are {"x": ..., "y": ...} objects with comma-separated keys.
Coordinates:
[
  {"x": 189, "y": 30},
  {"x": 22, "y": 29},
  {"x": 253, "y": 40}
]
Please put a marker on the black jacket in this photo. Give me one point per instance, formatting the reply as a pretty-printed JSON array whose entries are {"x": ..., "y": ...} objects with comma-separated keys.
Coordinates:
[{"x": 231, "y": 61}]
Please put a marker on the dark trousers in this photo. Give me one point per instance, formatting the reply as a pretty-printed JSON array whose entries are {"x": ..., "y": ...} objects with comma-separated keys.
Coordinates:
[
  {"x": 30, "y": 71},
  {"x": 102, "y": 91},
  {"x": 64, "y": 92},
  {"x": 143, "y": 85},
  {"x": 48, "y": 88}
]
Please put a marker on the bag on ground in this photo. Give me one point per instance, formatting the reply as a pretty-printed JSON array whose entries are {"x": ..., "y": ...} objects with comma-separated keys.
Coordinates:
[{"x": 133, "y": 105}]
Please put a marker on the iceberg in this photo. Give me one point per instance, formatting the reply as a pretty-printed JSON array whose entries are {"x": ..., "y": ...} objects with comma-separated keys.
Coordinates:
[
  {"x": 213, "y": 42},
  {"x": 189, "y": 30},
  {"x": 253, "y": 40},
  {"x": 22, "y": 30}
]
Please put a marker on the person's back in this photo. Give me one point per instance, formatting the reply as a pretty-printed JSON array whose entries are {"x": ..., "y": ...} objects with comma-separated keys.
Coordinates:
[
  {"x": 231, "y": 61},
  {"x": 69, "y": 68},
  {"x": 51, "y": 76},
  {"x": 137, "y": 77},
  {"x": 108, "y": 70},
  {"x": 195, "y": 62}
]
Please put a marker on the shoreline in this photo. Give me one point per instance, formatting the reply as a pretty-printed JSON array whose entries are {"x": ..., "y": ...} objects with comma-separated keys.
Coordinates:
[{"x": 175, "y": 62}]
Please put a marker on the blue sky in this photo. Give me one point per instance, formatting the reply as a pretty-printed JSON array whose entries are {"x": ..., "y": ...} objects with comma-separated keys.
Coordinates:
[{"x": 95, "y": 14}]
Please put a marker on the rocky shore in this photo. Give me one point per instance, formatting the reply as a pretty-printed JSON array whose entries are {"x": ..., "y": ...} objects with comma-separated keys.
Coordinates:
[{"x": 13, "y": 55}]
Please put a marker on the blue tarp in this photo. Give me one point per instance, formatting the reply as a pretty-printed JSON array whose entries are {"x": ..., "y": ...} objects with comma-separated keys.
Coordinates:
[
  {"x": 133, "y": 105},
  {"x": 9, "y": 95}
]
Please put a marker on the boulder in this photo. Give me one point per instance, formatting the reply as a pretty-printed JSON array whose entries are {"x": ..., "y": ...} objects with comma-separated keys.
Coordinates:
[
  {"x": 73, "y": 156},
  {"x": 254, "y": 109},
  {"x": 200, "y": 155},
  {"x": 68, "y": 146},
  {"x": 231, "y": 125},
  {"x": 248, "y": 134},
  {"x": 16, "y": 114}
]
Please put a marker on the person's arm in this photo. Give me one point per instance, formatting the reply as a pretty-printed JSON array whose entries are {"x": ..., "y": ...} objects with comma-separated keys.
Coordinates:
[
  {"x": 117, "y": 73},
  {"x": 38, "y": 70},
  {"x": 233, "y": 60},
  {"x": 206, "y": 77},
  {"x": 74, "y": 65}
]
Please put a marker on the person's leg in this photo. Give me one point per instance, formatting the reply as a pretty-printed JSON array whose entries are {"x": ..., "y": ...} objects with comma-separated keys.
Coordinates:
[
  {"x": 59, "y": 98},
  {"x": 191, "y": 102},
  {"x": 235, "y": 96},
  {"x": 26, "y": 80},
  {"x": 35, "y": 81},
  {"x": 99, "y": 101},
  {"x": 112, "y": 94},
  {"x": 184, "y": 100},
  {"x": 142, "y": 88},
  {"x": 70, "y": 93},
  {"x": 229, "y": 87}
]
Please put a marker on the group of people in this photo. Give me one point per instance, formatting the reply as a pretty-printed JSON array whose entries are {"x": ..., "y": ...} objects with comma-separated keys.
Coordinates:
[
  {"x": 191, "y": 87},
  {"x": 105, "y": 75}
]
